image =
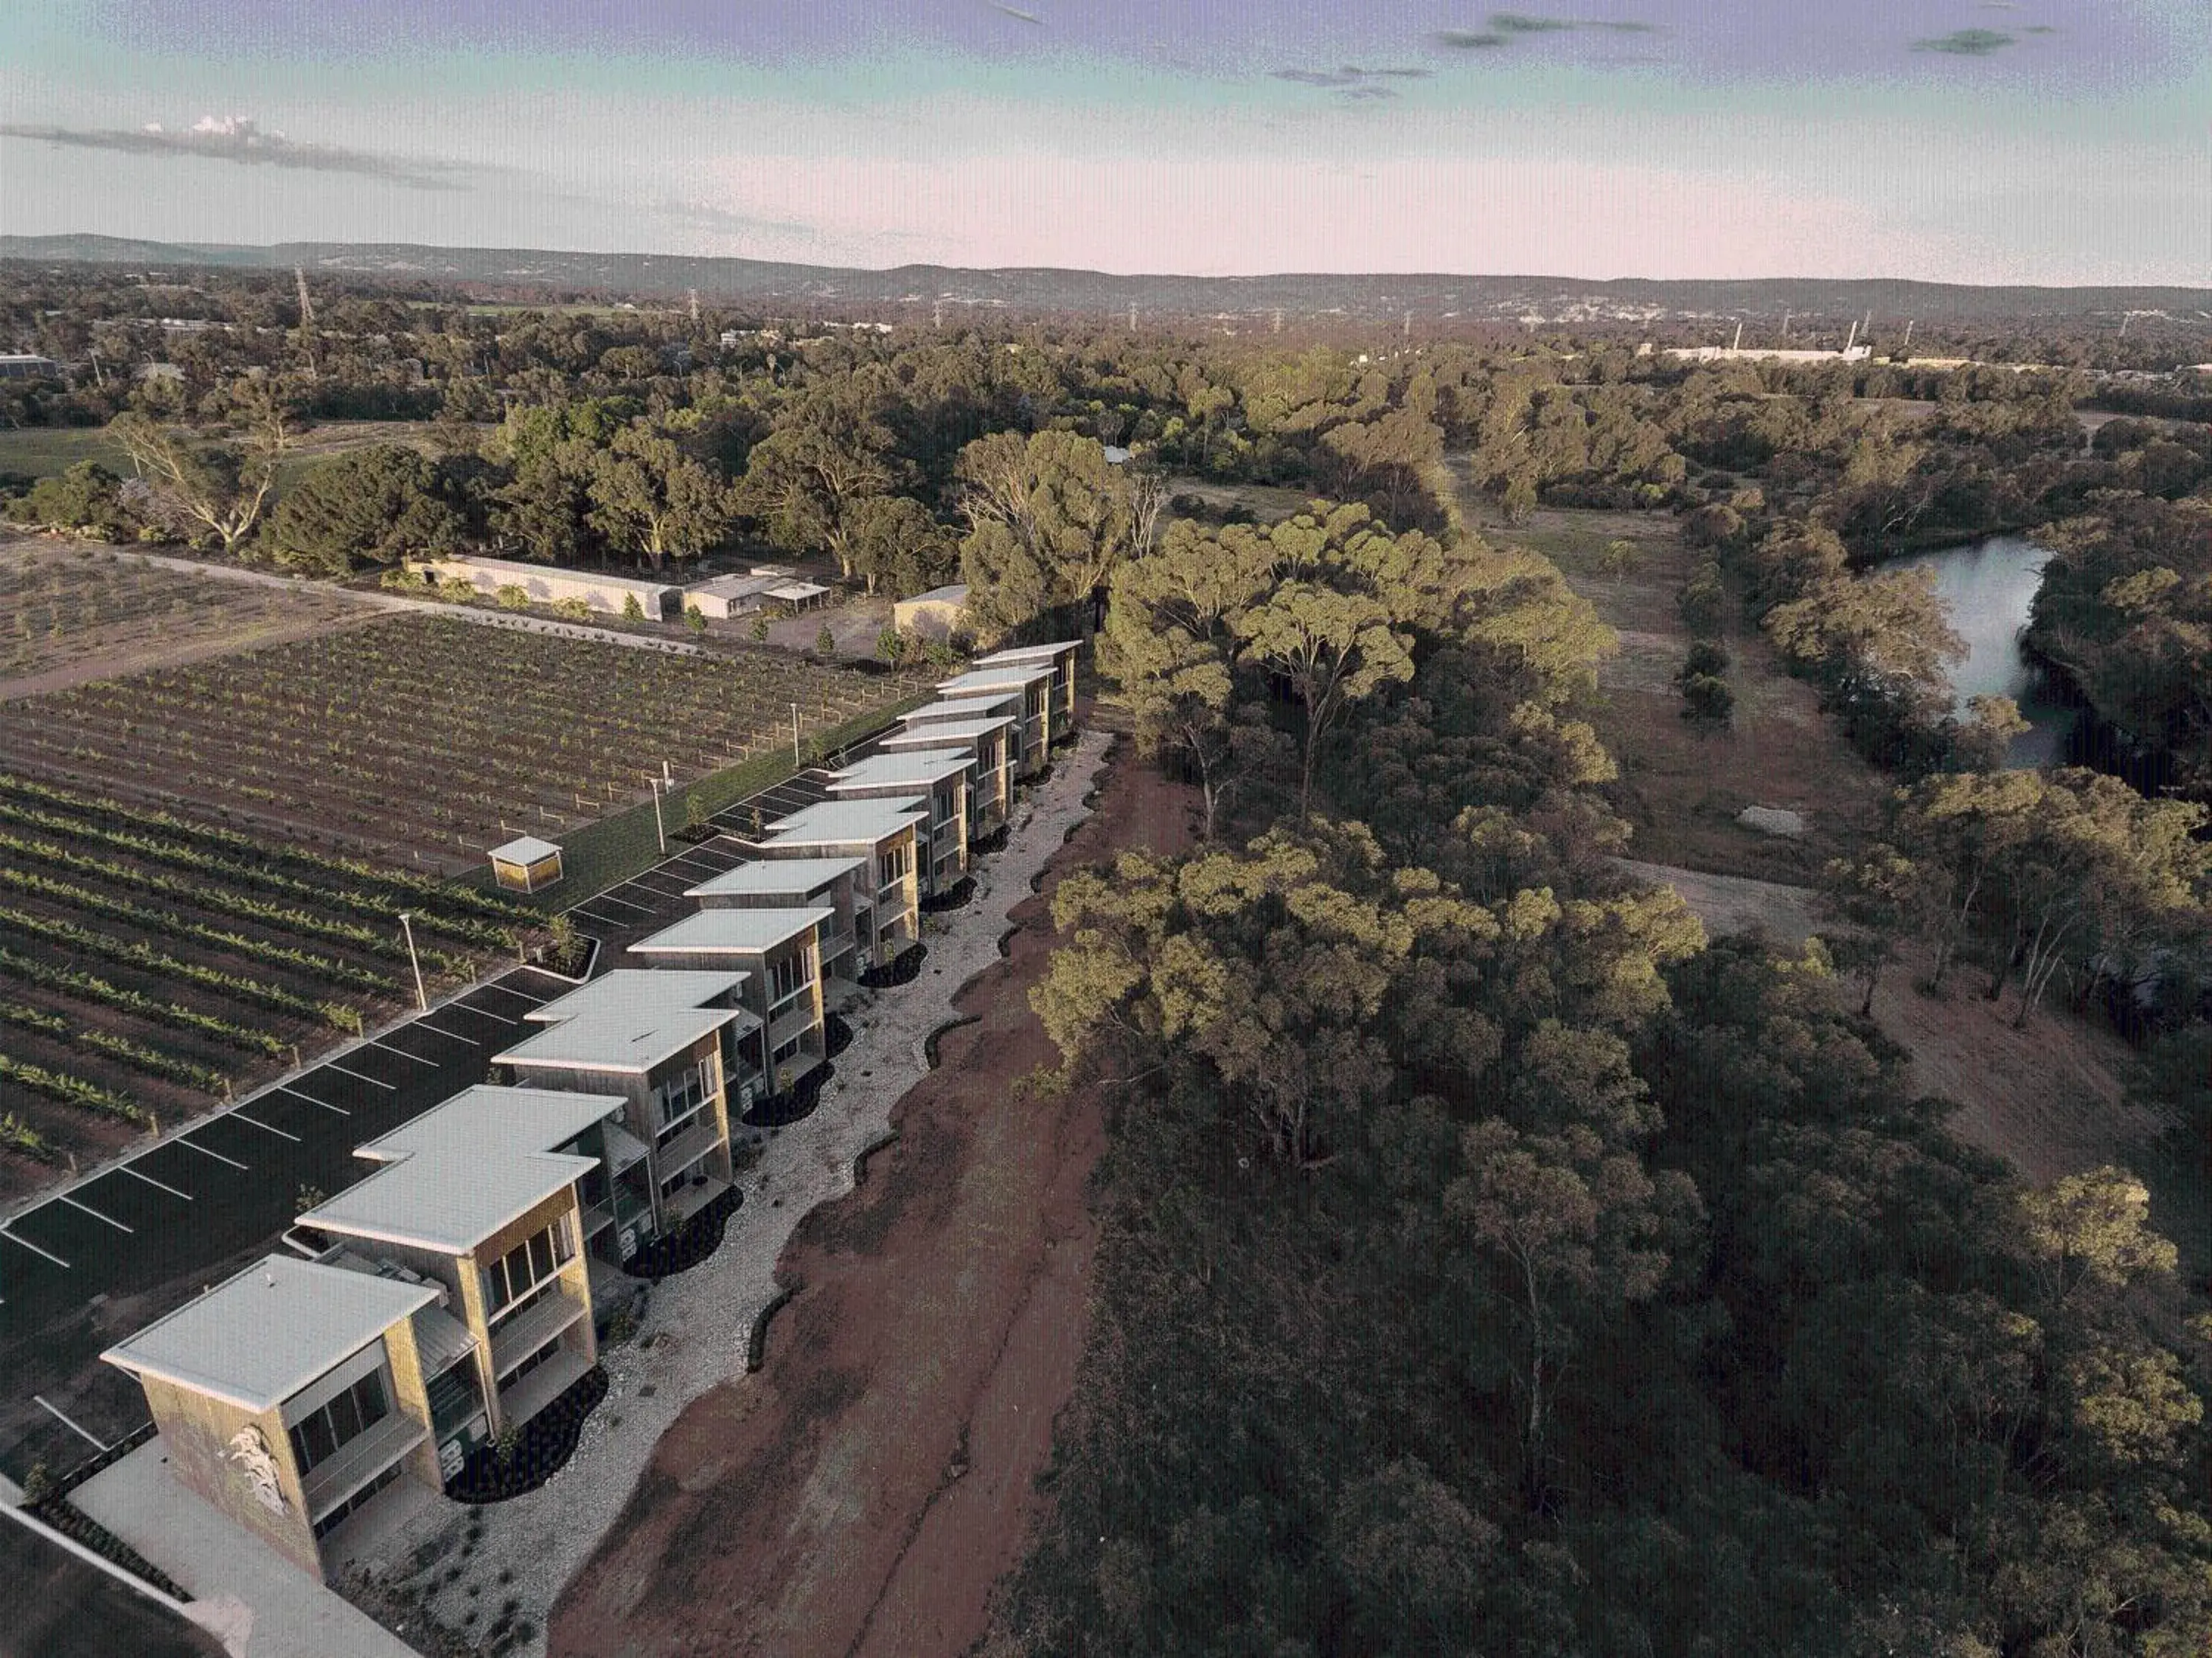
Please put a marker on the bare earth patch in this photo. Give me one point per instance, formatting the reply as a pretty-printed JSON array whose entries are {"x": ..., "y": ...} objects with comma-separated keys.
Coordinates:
[{"x": 863, "y": 1493}]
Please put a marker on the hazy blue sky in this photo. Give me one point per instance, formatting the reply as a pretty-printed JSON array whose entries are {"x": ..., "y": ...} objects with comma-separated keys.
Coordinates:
[{"x": 2052, "y": 141}]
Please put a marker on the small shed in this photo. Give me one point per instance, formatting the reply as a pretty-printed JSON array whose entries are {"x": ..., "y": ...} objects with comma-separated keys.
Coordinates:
[
  {"x": 936, "y": 614},
  {"x": 525, "y": 864}
]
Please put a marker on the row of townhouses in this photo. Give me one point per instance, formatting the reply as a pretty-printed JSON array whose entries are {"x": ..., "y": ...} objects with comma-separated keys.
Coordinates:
[{"x": 442, "y": 1302}]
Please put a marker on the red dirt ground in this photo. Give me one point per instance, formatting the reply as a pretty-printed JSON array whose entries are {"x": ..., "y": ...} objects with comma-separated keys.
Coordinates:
[{"x": 863, "y": 1492}]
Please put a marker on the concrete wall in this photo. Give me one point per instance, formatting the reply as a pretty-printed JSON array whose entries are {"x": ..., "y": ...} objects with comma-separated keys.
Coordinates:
[
  {"x": 544, "y": 585},
  {"x": 196, "y": 1430}
]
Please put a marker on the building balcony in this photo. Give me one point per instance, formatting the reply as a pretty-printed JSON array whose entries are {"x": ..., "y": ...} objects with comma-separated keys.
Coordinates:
[
  {"x": 687, "y": 1149},
  {"x": 693, "y": 1196},
  {"x": 359, "y": 1460},
  {"x": 541, "y": 1387},
  {"x": 800, "y": 1020},
  {"x": 529, "y": 1330}
]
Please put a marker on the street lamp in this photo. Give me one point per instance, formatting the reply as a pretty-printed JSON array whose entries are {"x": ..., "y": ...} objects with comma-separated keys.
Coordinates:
[
  {"x": 795, "y": 759},
  {"x": 660, "y": 828},
  {"x": 421, "y": 996}
]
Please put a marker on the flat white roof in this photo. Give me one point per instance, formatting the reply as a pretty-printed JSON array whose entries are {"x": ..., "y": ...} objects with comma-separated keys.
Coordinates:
[
  {"x": 257, "y": 1339},
  {"x": 794, "y": 591},
  {"x": 1030, "y": 653},
  {"x": 845, "y": 823},
  {"x": 738, "y": 932},
  {"x": 961, "y": 708},
  {"x": 549, "y": 573},
  {"x": 636, "y": 992},
  {"x": 525, "y": 848},
  {"x": 735, "y": 587},
  {"x": 923, "y": 768},
  {"x": 999, "y": 677},
  {"x": 933, "y": 733},
  {"x": 620, "y": 1042},
  {"x": 777, "y": 878},
  {"x": 462, "y": 1170},
  {"x": 956, "y": 594}
]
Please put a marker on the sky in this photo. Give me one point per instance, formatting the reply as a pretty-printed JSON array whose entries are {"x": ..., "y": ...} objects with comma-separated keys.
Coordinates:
[{"x": 1982, "y": 141}]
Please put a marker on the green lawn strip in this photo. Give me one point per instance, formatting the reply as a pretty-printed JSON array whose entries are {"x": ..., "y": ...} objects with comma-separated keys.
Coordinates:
[{"x": 612, "y": 850}]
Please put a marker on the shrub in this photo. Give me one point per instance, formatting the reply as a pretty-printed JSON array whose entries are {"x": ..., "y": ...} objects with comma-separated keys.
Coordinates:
[
  {"x": 457, "y": 590},
  {"x": 825, "y": 642},
  {"x": 572, "y": 610},
  {"x": 514, "y": 596},
  {"x": 759, "y": 629},
  {"x": 694, "y": 618},
  {"x": 632, "y": 610}
]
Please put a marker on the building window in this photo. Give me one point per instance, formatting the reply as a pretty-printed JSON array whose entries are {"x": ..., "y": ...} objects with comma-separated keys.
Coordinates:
[
  {"x": 324, "y": 1431},
  {"x": 338, "y": 1516},
  {"x": 894, "y": 864},
  {"x": 529, "y": 1263},
  {"x": 792, "y": 973}
]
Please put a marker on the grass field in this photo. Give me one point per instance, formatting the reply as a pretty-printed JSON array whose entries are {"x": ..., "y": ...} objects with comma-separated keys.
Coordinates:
[
  {"x": 1681, "y": 790},
  {"x": 41, "y": 451},
  {"x": 421, "y": 742},
  {"x": 75, "y": 610}
]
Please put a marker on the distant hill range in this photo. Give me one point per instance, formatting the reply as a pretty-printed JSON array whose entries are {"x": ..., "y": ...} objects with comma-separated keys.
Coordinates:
[{"x": 1353, "y": 298}]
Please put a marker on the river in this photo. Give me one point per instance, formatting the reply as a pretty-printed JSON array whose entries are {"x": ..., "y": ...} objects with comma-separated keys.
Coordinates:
[{"x": 1989, "y": 586}]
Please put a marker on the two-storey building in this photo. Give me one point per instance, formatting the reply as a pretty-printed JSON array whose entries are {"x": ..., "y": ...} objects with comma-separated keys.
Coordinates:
[
  {"x": 1024, "y": 758},
  {"x": 944, "y": 781},
  {"x": 779, "y": 955},
  {"x": 1060, "y": 656},
  {"x": 886, "y": 836},
  {"x": 840, "y": 885},
  {"x": 988, "y": 742},
  {"x": 680, "y": 1050},
  {"x": 1040, "y": 717},
  {"x": 293, "y": 1396}
]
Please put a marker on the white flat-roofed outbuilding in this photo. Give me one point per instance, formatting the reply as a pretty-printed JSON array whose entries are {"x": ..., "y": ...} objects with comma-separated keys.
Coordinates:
[
  {"x": 525, "y": 864},
  {"x": 545, "y": 584},
  {"x": 945, "y": 779}
]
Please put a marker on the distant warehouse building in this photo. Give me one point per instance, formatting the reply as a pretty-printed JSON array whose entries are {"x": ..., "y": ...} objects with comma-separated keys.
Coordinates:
[
  {"x": 25, "y": 365},
  {"x": 724, "y": 597},
  {"x": 543, "y": 584}
]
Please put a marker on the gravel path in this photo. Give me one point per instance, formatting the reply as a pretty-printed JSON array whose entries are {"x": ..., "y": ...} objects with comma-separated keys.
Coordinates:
[{"x": 698, "y": 1329}]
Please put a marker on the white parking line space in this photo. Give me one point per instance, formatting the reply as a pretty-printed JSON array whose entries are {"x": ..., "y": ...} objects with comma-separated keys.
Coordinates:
[
  {"x": 609, "y": 897},
  {"x": 379, "y": 1042},
  {"x": 196, "y": 1146},
  {"x": 87, "y": 1209},
  {"x": 255, "y": 1122},
  {"x": 286, "y": 1088},
  {"x": 504, "y": 989},
  {"x": 33, "y": 1248},
  {"x": 359, "y": 1076},
  {"x": 125, "y": 1168},
  {"x": 440, "y": 1030}
]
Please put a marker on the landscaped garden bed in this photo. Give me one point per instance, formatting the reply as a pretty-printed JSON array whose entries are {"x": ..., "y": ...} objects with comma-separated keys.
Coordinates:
[
  {"x": 689, "y": 1244},
  {"x": 903, "y": 971},
  {"x": 538, "y": 1451}
]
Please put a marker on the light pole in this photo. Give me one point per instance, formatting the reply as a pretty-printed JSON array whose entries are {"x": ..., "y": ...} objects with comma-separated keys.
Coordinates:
[
  {"x": 660, "y": 828},
  {"x": 795, "y": 759},
  {"x": 421, "y": 996}
]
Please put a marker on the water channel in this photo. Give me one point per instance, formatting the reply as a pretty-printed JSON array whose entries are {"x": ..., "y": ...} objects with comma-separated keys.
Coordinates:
[{"x": 1989, "y": 586}]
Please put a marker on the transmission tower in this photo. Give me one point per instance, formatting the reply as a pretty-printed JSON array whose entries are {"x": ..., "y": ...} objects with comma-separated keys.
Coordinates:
[{"x": 693, "y": 293}]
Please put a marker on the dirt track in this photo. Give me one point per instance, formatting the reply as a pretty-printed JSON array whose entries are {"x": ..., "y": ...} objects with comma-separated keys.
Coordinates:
[{"x": 862, "y": 1494}]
